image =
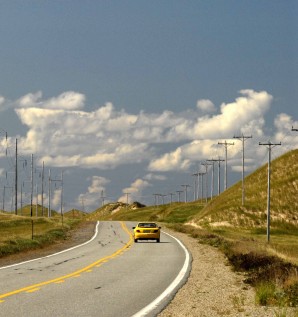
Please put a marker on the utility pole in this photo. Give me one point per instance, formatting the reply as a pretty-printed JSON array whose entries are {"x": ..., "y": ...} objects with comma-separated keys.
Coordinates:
[
  {"x": 226, "y": 144},
  {"x": 21, "y": 200},
  {"x": 205, "y": 164},
  {"x": 171, "y": 195},
  {"x": 102, "y": 199},
  {"x": 218, "y": 181},
  {"x": 179, "y": 193},
  {"x": 185, "y": 190},
  {"x": 126, "y": 199},
  {"x": 83, "y": 203},
  {"x": 16, "y": 179},
  {"x": 36, "y": 202},
  {"x": 42, "y": 189},
  {"x": 49, "y": 202},
  {"x": 201, "y": 175},
  {"x": 212, "y": 177},
  {"x": 61, "y": 193},
  {"x": 156, "y": 199},
  {"x": 269, "y": 146},
  {"x": 243, "y": 139},
  {"x": 195, "y": 186},
  {"x": 163, "y": 198},
  {"x": 61, "y": 204},
  {"x": 31, "y": 199},
  {"x": 218, "y": 171}
]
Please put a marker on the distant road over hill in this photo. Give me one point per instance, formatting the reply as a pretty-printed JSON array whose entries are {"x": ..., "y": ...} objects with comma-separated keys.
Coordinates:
[{"x": 108, "y": 276}]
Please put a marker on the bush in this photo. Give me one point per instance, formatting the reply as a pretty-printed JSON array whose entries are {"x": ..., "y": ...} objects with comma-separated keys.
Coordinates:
[{"x": 265, "y": 293}]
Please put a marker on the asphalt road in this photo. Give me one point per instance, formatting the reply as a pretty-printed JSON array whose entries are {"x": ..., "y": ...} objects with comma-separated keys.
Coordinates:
[{"x": 108, "y": 276}]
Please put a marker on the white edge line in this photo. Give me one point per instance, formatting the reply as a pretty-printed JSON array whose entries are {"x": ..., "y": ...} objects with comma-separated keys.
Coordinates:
[
  {"x": 50, "y": 255},
  {"x": 146, "y": 310}
]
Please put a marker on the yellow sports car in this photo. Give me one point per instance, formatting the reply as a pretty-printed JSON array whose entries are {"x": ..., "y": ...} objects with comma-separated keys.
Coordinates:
[{"x": 146, "y": 231}]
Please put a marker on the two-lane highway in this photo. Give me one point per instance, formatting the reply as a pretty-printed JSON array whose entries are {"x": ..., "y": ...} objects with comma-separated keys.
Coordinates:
[{"x": 108, "y": 276}]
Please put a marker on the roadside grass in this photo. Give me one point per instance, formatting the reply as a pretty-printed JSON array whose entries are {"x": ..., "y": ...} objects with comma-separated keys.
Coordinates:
[
  {"x": 19, "y": 233},
  {"x": 275, "y": 280}
]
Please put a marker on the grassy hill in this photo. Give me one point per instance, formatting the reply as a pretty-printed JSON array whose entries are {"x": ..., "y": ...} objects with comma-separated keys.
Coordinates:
[
  {"x": 36, "y": 211},
  {"x": 227, "y": 208},
  {"x": 170, "y": 213},
  {"x": 75, "y": 213}
]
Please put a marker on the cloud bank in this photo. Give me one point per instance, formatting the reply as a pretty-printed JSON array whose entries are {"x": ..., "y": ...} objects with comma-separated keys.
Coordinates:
[{"x": 62, "y": 132}]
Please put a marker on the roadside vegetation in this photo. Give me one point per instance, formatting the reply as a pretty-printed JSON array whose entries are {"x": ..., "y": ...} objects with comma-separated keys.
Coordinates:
[
  {"x": 22, "y": 233},
  {"x": 238, "y": 231}
]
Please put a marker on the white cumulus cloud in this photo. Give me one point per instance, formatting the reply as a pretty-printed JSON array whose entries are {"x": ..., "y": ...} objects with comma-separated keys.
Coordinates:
[
  {"x": 206, "y": 106},
  {"x": 134, "y": 191}
]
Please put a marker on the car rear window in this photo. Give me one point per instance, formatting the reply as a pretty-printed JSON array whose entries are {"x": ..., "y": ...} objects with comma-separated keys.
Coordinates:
[{"x": 147, "y": 225}]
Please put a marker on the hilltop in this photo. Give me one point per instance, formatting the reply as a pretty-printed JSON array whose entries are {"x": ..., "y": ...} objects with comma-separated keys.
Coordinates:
[{"x": 107, "y": 211}]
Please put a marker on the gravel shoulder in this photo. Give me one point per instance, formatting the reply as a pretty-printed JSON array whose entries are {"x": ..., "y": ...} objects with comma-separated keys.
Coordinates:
[{"x": 211, "y": 290}]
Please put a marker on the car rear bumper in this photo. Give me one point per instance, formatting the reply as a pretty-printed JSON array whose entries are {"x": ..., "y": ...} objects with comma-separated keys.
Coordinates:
[{"x": 147, "y": 236}]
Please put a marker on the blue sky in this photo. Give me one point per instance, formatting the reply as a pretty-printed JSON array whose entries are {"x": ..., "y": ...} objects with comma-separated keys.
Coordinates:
[{"x": 130, "y": 96}]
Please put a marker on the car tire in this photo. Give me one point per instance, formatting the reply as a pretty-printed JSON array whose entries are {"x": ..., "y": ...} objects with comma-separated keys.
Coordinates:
[
  {"x": 136, "y": 240},
  {"x": 157, "y": 240}
]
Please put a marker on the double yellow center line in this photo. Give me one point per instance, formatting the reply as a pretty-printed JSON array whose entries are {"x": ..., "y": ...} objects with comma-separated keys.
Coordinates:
[{"x": 61, "y": 279}]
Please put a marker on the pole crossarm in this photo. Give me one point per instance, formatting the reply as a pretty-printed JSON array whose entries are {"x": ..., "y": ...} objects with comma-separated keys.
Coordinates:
[{"x": 269, "y": 144}]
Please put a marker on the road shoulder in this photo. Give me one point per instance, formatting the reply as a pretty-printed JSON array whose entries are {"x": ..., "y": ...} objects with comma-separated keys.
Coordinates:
[{"x": 214, "y": 289}]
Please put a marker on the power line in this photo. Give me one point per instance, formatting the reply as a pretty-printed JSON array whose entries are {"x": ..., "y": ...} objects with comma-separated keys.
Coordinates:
[
  {"x": 243, "y": 139},
  {"x": 269, "y": 146}
]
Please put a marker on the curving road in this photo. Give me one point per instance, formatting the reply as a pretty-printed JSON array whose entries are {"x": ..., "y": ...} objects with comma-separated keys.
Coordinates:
[{"x": 108, "y": 276}]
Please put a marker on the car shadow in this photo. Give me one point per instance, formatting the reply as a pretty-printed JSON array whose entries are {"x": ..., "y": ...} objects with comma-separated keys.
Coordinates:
[{"x": 152, "y": 242}]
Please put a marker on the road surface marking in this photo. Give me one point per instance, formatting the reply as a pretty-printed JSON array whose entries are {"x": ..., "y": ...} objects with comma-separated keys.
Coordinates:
[
  {"x": 33, "y": 290},
  {"x": 74, "y": 274},
  {"x": 153, "y": 305}
]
